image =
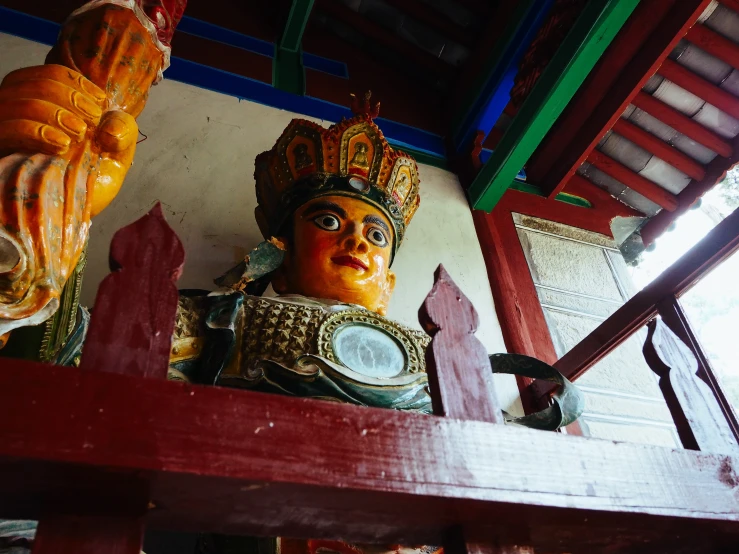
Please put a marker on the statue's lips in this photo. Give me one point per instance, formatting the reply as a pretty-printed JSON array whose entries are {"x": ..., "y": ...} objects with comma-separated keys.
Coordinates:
[{"x": 350, "y": 261}]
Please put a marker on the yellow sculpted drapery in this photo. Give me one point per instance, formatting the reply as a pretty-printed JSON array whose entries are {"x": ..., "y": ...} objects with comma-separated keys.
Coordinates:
[{"x": 67, "y": 137}]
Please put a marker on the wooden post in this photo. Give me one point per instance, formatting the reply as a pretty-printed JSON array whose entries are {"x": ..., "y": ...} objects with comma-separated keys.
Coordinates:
[
  {"x": 460, "y": 377},
  {"x": 130, "y": 333},
  {"x": 461, "y": 382},
  {"x": 698, "y": 417},
  {"x": 135, "y": 308}
]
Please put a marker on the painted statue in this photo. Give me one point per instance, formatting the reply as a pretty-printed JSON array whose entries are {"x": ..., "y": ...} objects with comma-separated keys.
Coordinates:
[
  {"x": 68, "y": 135},
  {"x": 334, "y": 205}
]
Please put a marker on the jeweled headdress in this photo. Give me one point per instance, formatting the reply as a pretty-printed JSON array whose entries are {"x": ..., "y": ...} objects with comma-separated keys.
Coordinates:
[{"x": 351, "y": 158}]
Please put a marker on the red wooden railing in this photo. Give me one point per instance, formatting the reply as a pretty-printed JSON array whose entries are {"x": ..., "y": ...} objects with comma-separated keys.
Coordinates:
[
  {"x": 98, "y": 452},
  {"x": 660, "y": 298}
]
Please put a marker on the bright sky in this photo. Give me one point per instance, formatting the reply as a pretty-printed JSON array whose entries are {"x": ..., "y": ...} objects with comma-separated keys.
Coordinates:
[{"x": 713, "y": 304}]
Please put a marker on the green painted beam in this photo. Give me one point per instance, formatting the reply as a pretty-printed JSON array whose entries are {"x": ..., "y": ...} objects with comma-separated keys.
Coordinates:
[
  {"x": 561, "y": 197},
  {"x": 288, "y": 72},
  {"x": 297, "y": 20},
  {"x": 594, "y": 30}
]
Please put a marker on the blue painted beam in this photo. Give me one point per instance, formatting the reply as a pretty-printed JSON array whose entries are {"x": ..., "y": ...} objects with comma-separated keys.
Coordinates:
[{"x": 494, "y": 89}]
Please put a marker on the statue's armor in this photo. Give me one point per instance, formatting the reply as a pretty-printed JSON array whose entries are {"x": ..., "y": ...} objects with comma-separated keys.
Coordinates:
[{"x": 300, "y": 346}]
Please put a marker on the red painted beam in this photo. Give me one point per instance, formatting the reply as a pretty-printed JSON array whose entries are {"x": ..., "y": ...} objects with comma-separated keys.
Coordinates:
[
  {"x": 645, "y": 41},
  {"x": 633, "y": 180},
  {"x": 605, "y": 207},
  {"x": 713, "y": 43},
  {"x": 659, "y": 148},
  {"x": 683, "y": 77},
  {"x": 683, "y": 124},
  {"x": 394, "y": 42},
  {"x": 731, "y": 4},
  {"x": 713, "y": 249},
  {"x": 431, "y": 18},
  {"x": 715, "y": 172}
]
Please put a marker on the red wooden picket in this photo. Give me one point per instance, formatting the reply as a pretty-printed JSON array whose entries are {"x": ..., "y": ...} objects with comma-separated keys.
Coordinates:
[
  {"x": 698, "y": 417},
  {"x": 135, "y": 308},
  {"x": 460, "y": 377},
  {"x": 461, "y": 383},
  {"x": 130, "y": 333}
]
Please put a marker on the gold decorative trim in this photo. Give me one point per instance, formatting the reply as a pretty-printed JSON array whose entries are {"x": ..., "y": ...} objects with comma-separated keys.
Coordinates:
[{"x": 413, "y": 343}]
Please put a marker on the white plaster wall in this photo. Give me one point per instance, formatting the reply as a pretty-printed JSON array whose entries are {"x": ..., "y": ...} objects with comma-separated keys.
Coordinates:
[{"x": 198, "y": 161}]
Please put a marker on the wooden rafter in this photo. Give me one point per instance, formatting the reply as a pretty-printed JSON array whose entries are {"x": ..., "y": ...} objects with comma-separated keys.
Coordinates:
[
  {"x": 715, "y": 171},
  {"x": 394, "y": 42},
  {"x": 659, "y": 148},
  {"x": 646, "y": 40},
  {"x": 604, "y": 206},
  {"x": 633, "y": 180},
  {"x": 420, "y": 11},
  {"x": 684, "y": 78},
  {"x": 731, "y": 4},
  {"x": 594, "y": 30},
  {"x": 720, "y": 47},
  {"x": 682, "y": 123}
]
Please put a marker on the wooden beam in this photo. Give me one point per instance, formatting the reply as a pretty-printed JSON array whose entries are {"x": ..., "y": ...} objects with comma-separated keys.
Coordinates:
[
  {"x": 715, "y": 172},
  {"x": 402, "y": 47},
  {"x": 682, "y": 123},
  {"x": 596, "y": 27},
  {"x": 684, "y": 78},
  {"x": 288, "y": 69},
  {"x": 222, "y": 465},
  {"x": 443, "y": 25},
  {"x": 633, "y": 180},
  {"x": 659, "y": 148},
  {"x": 483, "y": 89},
  {"x": 731, "y": 4},
  {"x": 517, "y": 304},
  {"x": 605, "y": 206},
  {"x": 718, "y": 46},
  {"x": 713, "y": 249},
  {"x": 646, "y": 40}
]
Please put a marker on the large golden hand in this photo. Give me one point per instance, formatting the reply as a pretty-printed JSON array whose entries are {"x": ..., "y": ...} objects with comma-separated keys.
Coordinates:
[{"x": 51, "y": 108}]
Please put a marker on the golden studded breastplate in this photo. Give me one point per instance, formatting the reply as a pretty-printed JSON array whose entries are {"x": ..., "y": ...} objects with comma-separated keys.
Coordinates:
[{"x": 306, "y": 347}]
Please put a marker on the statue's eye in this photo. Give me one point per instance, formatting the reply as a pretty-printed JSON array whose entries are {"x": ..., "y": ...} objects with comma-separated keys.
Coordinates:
[
  {"x": 327, "y": 222},
  {"x": 377, "y": 237}
]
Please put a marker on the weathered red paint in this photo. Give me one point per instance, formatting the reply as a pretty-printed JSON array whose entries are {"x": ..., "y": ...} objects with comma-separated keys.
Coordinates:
[
  {"x": 659, "y": 148},
  {"x": 633, "y": 180},
  {"x": 460, "y": 378},
  {"x": 636, "y": 53}
]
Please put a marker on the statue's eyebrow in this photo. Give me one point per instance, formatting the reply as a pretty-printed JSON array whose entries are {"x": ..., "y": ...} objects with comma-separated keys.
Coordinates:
[
  {"x": 377, "y": 221},
  {"x": 325, "y": 206}
]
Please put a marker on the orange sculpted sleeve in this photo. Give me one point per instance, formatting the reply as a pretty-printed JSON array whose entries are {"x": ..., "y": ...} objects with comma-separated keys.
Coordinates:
[{"x": 67, "y": 140}]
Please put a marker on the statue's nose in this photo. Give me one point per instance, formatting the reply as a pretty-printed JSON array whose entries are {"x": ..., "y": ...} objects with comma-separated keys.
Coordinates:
[{"x": 355, "y": 241}]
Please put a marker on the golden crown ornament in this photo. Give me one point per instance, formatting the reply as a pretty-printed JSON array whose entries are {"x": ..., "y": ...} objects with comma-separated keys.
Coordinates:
[{"x": 351, "y": 158}]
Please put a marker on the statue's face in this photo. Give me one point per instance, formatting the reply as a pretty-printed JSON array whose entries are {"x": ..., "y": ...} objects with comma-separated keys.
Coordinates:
[
  {"x": 165, "y": 14},
  {"x": 340, "y": 249}
]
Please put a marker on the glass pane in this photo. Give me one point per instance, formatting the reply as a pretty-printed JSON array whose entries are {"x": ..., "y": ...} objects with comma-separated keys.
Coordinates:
[{"x": 712, "y": 306}]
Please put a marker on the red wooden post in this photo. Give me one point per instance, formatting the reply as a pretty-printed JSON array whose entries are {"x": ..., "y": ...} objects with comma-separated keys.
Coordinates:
[
  {"x": 460, "y": 376},
  {"x": 135, "y": 308},
  {"x": 697, "y": 415},
  {"x": 461, "y": 381},
  {"x": 130, "y": 333}
]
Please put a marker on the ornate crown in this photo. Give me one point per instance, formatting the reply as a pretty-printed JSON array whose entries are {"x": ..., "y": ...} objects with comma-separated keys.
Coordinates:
[{"x": 351, "y": 158}]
